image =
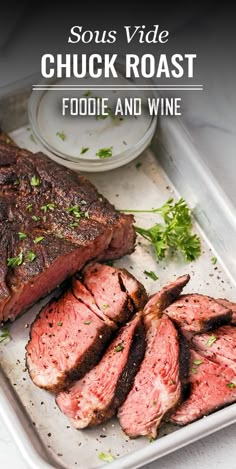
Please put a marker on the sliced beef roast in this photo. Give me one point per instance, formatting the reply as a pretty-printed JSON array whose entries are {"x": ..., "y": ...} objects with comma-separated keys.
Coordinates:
[
  {"x": 198, "y": 313},
  {"x": 66, "y": 340},
  {"x": 230, "y": 305},
  {"x": 212, "y": 386},
  {"x": 219, "y": 345},
  {"x": 96, "y": 397},
  {"x": 157, "y": 386},
  {"x": 52, "y": 222},
  {"x": 70, "y": 334},
  {"x": 115, "y": 291}
]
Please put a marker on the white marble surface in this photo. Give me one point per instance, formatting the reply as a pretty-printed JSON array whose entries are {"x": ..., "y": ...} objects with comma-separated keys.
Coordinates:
[{"x": 211, "y": 119}]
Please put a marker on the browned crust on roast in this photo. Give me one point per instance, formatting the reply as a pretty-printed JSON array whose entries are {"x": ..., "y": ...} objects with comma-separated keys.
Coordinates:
[{"x": 140, "y": 297}]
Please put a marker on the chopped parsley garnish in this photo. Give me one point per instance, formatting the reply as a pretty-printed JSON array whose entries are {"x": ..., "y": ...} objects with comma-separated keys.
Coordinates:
[
  {"x": 47, "y": 207},
  {"x": 29, "y": 207},
  {"x": 35, "y": 181},
  {"x": 8, "y": 140},
  {"x": 231, "y": 385},
  {"x": 16, "y": 182},
  {"x": 194, "y": 370},
  {"x": 35, "y": 218},
  {"x": 60, "y": 323},
  {"x": 31, "y": 256},
  {"x": 32, "y": 138},
  {"x": 211, "y": 340},
  {"x": 84, "y": 150},
  {"x": 61, "y": 135},
  {"x": 15, "y": 261},
  {"x": 138, "y": 165},
  {"x": 151, "y": 274},
  {"x": 119, "y": 347},
  {"x": 75, "y": 210},
  {"x": 197, "y": 362},
  {"x": 87, "y": 322},
  {"x": 104, "y": 152},
  {"x": 105, "y": 306},
  {"x": 174, "y": 233},
  {"x": 73, "y": 225},
  {"x": 22, "y": 235},
  {"x": 151, "y": 439},
  {"x": 4, "y": 334},
  {"x": 214, "y": 260},
  {"x": 106, "y": 457},
  {"x": 38, "y": 239}
]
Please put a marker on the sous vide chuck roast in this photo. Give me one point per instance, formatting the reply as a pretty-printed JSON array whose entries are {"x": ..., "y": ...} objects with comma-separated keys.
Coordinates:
[
  {"x": 96, "y": 397},
  {"x": 52, "y": 222},
  {"x": 212, "y": 387},
  {"x": 157, "y": 387},
  {"x": 70, "y": 333}
]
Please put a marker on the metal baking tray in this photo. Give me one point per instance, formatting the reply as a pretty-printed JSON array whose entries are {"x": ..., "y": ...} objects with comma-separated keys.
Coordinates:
[{"x": 171, "y": 167}]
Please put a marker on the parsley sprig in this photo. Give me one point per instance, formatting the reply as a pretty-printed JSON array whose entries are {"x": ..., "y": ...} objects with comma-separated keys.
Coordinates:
[{"x": 174, "y": 233}]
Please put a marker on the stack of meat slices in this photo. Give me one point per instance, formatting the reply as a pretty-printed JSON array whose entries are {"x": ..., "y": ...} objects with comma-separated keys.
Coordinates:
[{"x": 174, "y": 360}]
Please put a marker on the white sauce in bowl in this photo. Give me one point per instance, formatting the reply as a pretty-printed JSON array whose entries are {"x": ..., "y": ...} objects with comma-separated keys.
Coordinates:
[{"x": 83, "y": 136}]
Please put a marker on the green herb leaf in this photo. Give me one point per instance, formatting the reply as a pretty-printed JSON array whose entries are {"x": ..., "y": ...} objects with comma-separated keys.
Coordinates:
[
  {"x": 151, "y": 439},
  {"x": 84, "y": 150},
  {"x": 151, "y": 274},
  {"x": 31, "y": 256},
  {"x": 29, "y": 207},
  {"x": 197, "y": 362},
  {"x": 16, "y": 182},
  {"x": 119, "y": 347},
  {"x": 15, "y": 261},
  {"x": 35, "y": 181},
  {"x": 35, "y": 218},
  {"x": 60, "y": 323},
  {"x": 61, "y": 135},
  {"x": 231, "y": 385},
  {"x": 194, "y": 370},
  {"x": 175, "y": 234},
  {"x": 104, "y": 152},
  {"x": 211, "y": 340},
  {"x": 22, "y": 235},
  {"x": 87, "y": 322},
  {"x": 75, "y": 210},
  {"x": 47, "y": 207},
  {"x": 214, "y": 260},
  {"x": 32, "y": 138},
  {"x": 106, "y": 457},
  {"x": 4, "y": 334},
  {"x": 73, "y": 225},
  {"x": 138, "y": 165},
  {"x": 38, "y": 239},
  {"x": 105, "y": 306}
]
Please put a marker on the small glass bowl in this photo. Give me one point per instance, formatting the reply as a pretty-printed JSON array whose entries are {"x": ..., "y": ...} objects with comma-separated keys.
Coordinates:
[{"x": 84, "y": 162}]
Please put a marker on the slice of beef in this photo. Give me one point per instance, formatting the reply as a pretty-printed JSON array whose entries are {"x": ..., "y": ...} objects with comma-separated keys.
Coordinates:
[
  {"x": 96, "y": 397},
  {"x": 70, "y": 334},
  {"x": 42, "y": 199},
  {"x": 115, "y": 291},
  {"x": 66, "y": 340},
  {"x": 212, "y": 386},
  {"x": 198, "y": 313},
  {"x": 230, "y": 305},
  {"x": 164, "y": 298},
  {"x": 157, "y": 387},
  {"x": 219, "y": 345}
]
